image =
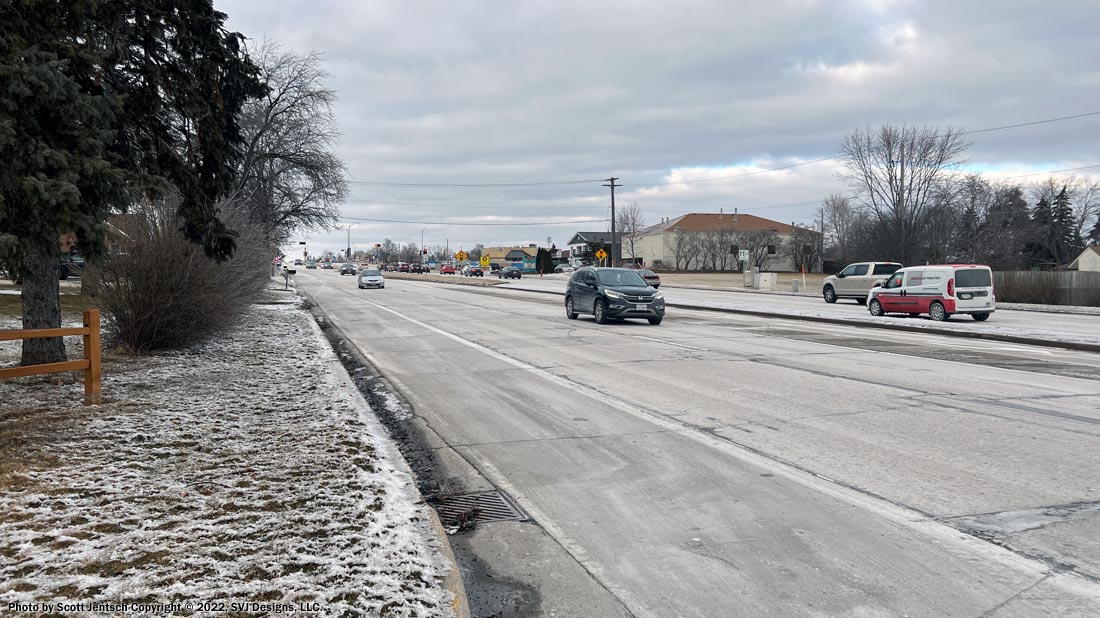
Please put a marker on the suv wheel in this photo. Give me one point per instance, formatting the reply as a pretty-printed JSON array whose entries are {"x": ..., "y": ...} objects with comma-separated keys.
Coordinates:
[
  {"x": 829, "y": 293},
  {"x": 600, "y": 311},
  {"x": 569, "y": 313},
  {"x": 655, "y": 321}
]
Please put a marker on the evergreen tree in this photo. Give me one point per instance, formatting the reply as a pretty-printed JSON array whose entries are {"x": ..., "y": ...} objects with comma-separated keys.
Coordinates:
[
  {"x": 102, "y": 101},
  {"x": 1039, "y": 247},
  {"x": 1065, "y": 244}
]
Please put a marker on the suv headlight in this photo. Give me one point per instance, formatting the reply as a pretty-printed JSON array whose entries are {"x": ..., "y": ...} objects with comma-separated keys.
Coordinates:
[
  {"x": 614, "y": 294},
  {"x": 658, "y": 295}
]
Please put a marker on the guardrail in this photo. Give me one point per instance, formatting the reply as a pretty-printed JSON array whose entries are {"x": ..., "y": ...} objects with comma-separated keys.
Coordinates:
[{"x": 90, "y": 364}]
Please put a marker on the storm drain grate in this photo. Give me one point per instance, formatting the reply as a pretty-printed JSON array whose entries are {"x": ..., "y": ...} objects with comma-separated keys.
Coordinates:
[{"x": 482, "y": 507}]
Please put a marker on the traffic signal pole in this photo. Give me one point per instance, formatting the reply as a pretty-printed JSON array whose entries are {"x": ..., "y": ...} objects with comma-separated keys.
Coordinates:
[{"x": 611, "y": 183}]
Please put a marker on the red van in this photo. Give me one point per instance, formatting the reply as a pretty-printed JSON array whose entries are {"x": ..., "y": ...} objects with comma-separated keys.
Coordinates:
[{"x": 939, "y": 291}]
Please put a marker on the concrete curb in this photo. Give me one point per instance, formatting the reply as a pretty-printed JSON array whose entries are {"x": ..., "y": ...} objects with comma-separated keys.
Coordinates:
[
  {"x": 452, "y": 581},
  {"x": 1046, "y": 343}
]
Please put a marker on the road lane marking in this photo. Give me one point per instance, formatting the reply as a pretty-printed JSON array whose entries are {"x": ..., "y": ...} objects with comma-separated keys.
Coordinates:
[
  {"x": 899, "y": 514},
  {"x": 679, "y": 345}
]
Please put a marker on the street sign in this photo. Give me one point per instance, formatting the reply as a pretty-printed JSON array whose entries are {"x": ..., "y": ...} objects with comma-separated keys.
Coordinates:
[
  {"x": 601, "y": 254},
  {"x": 461, "y": 255},
  {"x": 484, "y": 261},
  {"x": 743, "y": 254}
]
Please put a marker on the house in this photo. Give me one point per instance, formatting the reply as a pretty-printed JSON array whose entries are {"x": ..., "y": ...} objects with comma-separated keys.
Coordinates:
[
  {"x": 509, "y": 255},
  {"x": 1089, "y": 260},
  {"x": 583, "y": 246},
  {"x": 718, "y": 241}
]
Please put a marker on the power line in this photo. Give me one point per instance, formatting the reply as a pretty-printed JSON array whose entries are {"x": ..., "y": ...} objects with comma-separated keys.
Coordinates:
[
  {"x": 1028, "y": 124},
  {"x": 513, "y": 207},
  {"x": 474, "y": 186},
  {"x": 1072, "y": 169},
  {"x": 472, "y": 224}
]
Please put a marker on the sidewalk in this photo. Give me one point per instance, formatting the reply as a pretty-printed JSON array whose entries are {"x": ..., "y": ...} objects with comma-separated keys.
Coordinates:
[{"x": 249, "y": 470}]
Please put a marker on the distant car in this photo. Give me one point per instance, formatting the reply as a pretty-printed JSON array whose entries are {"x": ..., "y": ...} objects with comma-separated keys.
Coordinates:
[
  {"x": 472, "y": 271},
  {"x": 612, "y": 294},
  {"x": 510, "y": 272},
  {"x": 856, "y": 280},
  {"x": 72, "y": 268},
  {"x": 403, "y": 267},
  {"x": 447, "y": 269},
  {"x": 371, "y": 278},
  {"x": 311, "y": 265},
  {"x": 650, "y": 277},
  {"x": 347, "y": 269},
  {"x": 297, "y": 262},
  {"x": 326, "y": 265},
  {"x": 419, "y": 268},
  {"x": 564, "y": 268},
  {"x": 493, "y": 268}
]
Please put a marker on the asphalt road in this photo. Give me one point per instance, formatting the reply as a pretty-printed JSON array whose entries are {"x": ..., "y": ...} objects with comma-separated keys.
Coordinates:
[
  {"x": 724, "y": 465},
  {"x": 1064, "y": 326}
]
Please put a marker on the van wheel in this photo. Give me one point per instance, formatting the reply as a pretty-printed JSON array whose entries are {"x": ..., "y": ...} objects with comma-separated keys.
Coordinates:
[
  {"x": 569, "y": 313},
  {"x": 829, "y": 293},
  {"x": 600, "y": 312},
  {"x": 937, "y": 312},
  {"x": 980, "y": 317},
  {"x": 875, "y": 307}
]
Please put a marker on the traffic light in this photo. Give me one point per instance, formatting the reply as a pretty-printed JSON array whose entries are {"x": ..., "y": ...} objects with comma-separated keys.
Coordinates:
[
  {"x": 425, "y": 251},
  {"x": 377, "y": 245}
]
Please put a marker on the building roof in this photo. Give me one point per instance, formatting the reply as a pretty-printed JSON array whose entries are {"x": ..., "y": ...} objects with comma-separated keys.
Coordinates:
[
  {"x": 1076, "y": 263},
  {"x": 499, "y": 253},
  {"x": 711, "y": 221},
  {"x": 581, "y": 238}
]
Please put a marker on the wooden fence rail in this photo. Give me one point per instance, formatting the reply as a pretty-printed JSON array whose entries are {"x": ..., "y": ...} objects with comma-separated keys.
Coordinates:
[{"x": 90, "y": 364}]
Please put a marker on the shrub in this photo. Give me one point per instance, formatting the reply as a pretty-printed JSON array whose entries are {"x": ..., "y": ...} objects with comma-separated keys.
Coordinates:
[{"x": 160, "y": 291}]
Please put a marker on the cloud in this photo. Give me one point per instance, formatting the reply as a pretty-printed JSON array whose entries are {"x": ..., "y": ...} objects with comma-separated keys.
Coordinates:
[{"x": 474, "y": 92}]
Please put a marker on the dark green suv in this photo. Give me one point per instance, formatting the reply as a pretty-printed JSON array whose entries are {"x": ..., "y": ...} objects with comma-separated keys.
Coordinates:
[{"x": 612, "y": 294}]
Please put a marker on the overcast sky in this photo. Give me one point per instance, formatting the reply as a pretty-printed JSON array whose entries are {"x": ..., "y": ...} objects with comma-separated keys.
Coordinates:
[{"x": 664, "y": 92}]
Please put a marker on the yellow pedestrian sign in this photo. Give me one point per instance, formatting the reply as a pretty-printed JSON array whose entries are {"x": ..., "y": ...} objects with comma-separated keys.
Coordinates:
[
  {"x": 601, "y": 255},
  {"x": 484, "y": 261}
]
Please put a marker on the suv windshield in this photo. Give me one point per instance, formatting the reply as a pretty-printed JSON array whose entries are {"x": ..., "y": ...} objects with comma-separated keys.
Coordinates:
[{"x": 620, "y": 276}]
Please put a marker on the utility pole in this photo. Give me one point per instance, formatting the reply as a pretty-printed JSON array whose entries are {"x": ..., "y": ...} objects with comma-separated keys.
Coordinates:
[
  {"x": 347, "y": 256},
  {"x": 611, "y": 183},
  {"x": 422, "y": 248}
]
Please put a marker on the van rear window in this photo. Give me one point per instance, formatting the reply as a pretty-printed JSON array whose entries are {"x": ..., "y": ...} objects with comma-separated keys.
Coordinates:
[{"x": 973, "y": 278}]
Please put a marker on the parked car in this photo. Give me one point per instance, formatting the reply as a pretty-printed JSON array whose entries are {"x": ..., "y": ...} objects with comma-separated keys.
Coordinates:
[
  {"x": 564, "y": 268},
  {"x": 447, "y": 269},
  {"x": 510, "y": 272},
  {"x": 650, "y": 277},
  {"x": 347, "y": 269},
  {"x": 472, "y": 270},
  {"x": 371, "y": 278},
  {"x": 612, "y": 294},
  {"x": 939, "y": 291},
  {"x": 72, "y": 268},
  {"x": 856, "y": 280}
]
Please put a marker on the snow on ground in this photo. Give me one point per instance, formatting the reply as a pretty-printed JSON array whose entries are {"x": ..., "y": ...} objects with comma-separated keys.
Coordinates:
[{"x": 247, "y": 470}]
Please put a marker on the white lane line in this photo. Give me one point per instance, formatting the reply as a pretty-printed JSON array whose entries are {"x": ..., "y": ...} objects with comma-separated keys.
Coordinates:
[
  {"x": 938, "y": 532},
  {"x": 679, "y": 345}
]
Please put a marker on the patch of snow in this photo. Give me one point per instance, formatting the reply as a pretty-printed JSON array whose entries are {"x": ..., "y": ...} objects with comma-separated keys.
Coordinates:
[{"x": 246, "y": 470}]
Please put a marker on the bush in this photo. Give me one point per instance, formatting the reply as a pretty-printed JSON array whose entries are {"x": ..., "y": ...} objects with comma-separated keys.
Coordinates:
[{"x": 159, "y": 291}]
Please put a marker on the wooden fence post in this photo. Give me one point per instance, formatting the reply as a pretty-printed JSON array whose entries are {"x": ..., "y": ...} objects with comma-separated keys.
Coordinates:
[{"x": 91, "y": 354}]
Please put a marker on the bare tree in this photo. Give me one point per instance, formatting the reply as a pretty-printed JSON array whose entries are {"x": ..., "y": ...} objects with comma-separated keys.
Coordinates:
[
  {"x": 840, "y": 220},
  {"x": 803, "y": 247},
  {"x": 630, "y": 222},
  {"x": 675, "y": 244},
  {"x": 896, "y": 171},
  {"x": 289, "y": 177},
  {"x": 762, "y": 246}
]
